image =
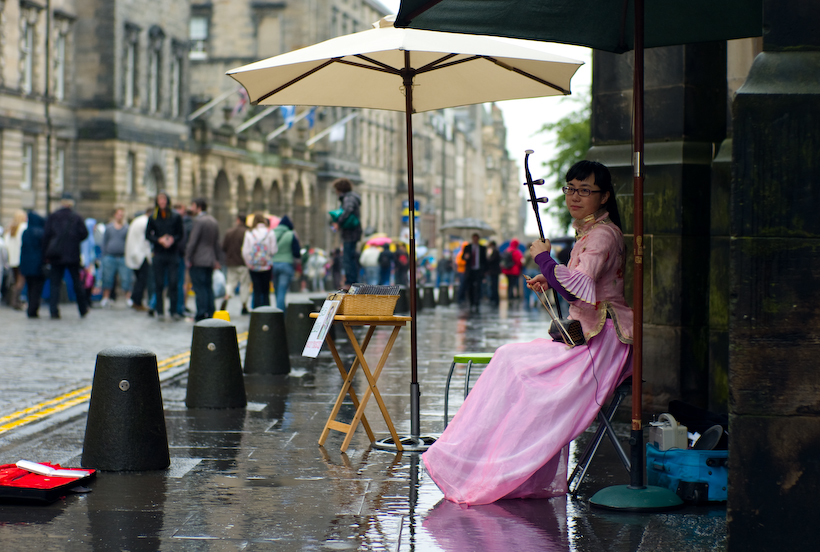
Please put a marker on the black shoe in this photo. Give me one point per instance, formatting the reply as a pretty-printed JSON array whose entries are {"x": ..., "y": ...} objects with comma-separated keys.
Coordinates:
[
  {"x": 55, "y": 316},
  {"x": 244, "y": 310},
  {"x": 151, "y": 312},
  {"x": 224, "y": 305},
  {"x": 35, "y": 315}
]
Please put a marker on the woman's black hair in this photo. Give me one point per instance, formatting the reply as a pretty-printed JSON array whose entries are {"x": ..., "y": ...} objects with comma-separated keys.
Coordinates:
[{"x": 582, "y": 169}]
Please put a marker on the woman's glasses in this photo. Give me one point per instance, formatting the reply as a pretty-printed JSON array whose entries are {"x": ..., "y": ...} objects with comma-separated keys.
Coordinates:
[{"x": 583, "y": 192}]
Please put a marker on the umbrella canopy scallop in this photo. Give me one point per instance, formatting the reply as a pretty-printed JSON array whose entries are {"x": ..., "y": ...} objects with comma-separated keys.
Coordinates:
[{"x": 450, "y": 70}]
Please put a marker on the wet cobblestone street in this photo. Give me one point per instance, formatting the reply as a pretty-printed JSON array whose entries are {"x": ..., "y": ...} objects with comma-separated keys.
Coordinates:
[{"x": 255, "y": 479}]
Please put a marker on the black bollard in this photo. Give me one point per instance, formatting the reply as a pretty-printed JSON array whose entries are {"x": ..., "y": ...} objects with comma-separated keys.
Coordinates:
[
  {"x": 215, "y": 374},
  {"x": 403, "y": 304},
  {"x": 444, "y": 295},
  {"x": 125, "y": 429},
  {"x": 267, "y": 350},
  {"x": 429, "y": 300},
  {"x": 299, "y": 324}
]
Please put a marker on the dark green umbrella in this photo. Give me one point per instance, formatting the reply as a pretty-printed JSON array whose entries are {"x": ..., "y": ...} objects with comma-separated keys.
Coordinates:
[
  {"x": 600, "y": 24},
  {"x": 614, "y": 26}
]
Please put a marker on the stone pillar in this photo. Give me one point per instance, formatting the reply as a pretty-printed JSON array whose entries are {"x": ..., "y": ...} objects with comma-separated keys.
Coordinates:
[
  {"x": 739, "y": 56},
  {"x": 774, "y": 416},
  {"x": 685, "y": 120}
]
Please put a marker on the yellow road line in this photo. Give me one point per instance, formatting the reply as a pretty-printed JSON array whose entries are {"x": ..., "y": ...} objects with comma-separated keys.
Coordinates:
[{"x": 78, "y": 396}]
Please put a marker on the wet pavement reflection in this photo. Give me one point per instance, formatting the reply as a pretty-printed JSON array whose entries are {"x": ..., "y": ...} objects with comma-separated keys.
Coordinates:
[{"x": 255, "y": 478}]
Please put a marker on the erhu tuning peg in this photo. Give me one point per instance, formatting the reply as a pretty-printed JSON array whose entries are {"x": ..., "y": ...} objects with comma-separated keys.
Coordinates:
[
  {"x": 539, "y": 200},
  {"x": 535, "y": 182}
]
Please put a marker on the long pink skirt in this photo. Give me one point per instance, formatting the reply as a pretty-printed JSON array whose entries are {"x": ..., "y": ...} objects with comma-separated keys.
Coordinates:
[{"x": 510, "y": 438}]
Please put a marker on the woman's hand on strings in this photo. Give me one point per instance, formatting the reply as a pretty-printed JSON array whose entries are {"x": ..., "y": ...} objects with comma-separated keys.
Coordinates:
[
  {"x": 537, "y": 247},
  {"x": 537, "y": 283}
]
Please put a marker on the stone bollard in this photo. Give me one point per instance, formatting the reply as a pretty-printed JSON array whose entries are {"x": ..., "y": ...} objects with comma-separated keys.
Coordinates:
[
  {"x": 429, "y": 300},
  {"x": 299, "y": 323},
  {"x": 215, "y": 374},
  {"x": 403, "y": 304},
  {"x": 267, "y": 350},
  {"x": 125, "y": 429},
  {"x": 444, "y": 295}
]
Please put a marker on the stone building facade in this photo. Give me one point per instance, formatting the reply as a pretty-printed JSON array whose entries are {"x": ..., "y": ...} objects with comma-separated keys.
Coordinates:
[{"x": 139, "y": 102}]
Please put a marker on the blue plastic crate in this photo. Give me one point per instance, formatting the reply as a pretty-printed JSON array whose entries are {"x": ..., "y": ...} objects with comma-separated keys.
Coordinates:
[{"x": 695, "y": 475}]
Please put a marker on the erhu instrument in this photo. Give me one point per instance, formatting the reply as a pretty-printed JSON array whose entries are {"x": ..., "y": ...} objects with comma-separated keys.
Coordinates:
[{"x": 561, "y": 329}]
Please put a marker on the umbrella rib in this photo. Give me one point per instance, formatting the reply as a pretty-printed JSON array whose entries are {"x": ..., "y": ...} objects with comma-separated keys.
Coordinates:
[
  {"x": 297, "y": 79},
  {"x": 525, "y": 74},
  {"x": 435, "y": 64},
  {"x": 379, "y": 65}
]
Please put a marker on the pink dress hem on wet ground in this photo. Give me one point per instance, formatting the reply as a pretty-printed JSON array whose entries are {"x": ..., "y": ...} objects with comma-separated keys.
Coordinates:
[{"x": 510, "y": 437}]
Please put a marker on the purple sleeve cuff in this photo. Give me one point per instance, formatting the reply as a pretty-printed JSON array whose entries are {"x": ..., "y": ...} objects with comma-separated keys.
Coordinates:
[{"x": 547, "y": 265}]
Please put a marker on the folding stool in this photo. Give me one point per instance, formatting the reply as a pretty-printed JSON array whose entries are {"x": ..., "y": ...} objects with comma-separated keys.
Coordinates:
[{"x": 604, "y": 427}]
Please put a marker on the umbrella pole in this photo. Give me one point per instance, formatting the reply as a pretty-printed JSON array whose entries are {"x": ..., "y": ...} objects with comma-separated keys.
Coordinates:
[
  {"x": 414, "y": 443},
  {"x": 636, "y": 496}
]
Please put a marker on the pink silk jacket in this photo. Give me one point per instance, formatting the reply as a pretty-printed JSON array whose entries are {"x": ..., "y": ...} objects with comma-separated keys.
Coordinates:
[{"x": 595, "y": 275}]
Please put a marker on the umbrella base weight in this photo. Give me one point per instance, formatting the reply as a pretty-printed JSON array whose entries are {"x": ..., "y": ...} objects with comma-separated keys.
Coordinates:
[
  {"x": 625, "y": 498},
  {"x": 408, "y": 444}
]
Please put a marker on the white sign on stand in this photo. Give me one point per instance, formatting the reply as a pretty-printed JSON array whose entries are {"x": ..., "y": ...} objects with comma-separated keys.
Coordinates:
[{"x": 320, "y": 328}]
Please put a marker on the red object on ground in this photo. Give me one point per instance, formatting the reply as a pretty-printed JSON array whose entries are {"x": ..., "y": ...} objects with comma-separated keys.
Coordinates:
[{"x": 17, "y": 484}]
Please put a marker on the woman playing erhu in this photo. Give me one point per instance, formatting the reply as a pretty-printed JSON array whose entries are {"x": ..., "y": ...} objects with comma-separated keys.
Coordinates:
[{"x": 510, "y": 438}]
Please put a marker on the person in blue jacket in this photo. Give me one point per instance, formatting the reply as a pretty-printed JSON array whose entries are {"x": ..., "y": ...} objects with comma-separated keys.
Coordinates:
[{"x": 31, "y": 261}]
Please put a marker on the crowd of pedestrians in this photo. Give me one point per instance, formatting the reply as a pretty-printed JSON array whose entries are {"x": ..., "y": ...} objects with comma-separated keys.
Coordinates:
[
  {"x": 161, "y": 256},
  {"x": 154, "y": 261}
]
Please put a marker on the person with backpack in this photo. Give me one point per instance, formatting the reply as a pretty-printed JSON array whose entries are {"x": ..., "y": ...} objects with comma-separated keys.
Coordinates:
[
  {"x": 349, "y": 225},
  {"x": 511, "y": 267},
  {"x": 63, "y": 232},
  {"x": 288, "y": 251},
  {"x": 258, "y": 249}
]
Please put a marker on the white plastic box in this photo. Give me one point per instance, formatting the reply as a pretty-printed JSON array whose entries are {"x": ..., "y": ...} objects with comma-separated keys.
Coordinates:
[{"x": 667, "y": 433}]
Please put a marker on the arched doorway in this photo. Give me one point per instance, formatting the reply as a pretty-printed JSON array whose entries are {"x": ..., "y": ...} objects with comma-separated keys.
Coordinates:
[
  {"x": 221, "y": 203},
  {"x": 241, "y": 196},
  {"x": 154, "y": 181},
  {"x": 276, "y": 205},
  {"x": 258, "y": 201},
  {"x": 301, "y": 216}
]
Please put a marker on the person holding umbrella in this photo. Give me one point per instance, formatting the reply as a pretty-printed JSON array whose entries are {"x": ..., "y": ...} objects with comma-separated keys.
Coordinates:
[{"x": 537, "y": 397}]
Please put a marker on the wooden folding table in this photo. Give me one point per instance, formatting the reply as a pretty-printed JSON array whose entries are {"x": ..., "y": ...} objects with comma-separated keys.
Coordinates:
[{"x": 372, "y": 322}]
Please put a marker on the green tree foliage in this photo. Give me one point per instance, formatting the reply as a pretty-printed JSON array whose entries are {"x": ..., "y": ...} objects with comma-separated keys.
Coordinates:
[{"x": 572, "y": 141}]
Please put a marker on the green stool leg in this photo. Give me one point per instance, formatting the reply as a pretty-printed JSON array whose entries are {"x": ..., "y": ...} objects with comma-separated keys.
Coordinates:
[
  {"x": 467, "y": 378},
  {"x": 447, "y": 392}
]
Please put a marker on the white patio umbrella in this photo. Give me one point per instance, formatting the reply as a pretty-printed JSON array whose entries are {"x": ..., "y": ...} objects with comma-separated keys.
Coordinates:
[{"x": 411, "y": 71}]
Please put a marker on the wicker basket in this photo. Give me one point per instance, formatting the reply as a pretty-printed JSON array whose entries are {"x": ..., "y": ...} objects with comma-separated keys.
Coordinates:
[{"x": 365, "y": 305}]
